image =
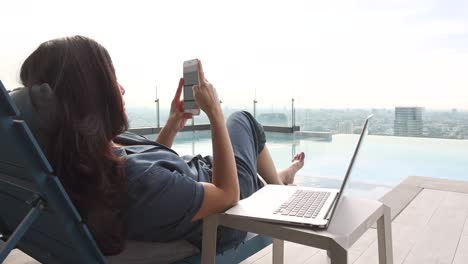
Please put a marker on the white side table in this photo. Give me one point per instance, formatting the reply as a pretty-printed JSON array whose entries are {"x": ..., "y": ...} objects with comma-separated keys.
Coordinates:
[{"x": 352, "y": 218}]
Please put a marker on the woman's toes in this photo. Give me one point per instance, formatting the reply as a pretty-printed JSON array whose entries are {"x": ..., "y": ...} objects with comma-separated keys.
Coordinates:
[
  {"x": 299, "y": 162},
  {"x": 287, "y": 175},
  {"x": 295, "y": 157}
]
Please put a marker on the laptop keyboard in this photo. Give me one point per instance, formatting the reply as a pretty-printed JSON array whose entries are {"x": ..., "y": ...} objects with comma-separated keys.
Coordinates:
[{"x": 303, "y": 203}]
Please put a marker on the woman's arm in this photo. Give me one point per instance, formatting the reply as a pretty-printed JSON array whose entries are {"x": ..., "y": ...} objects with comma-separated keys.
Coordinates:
[
  {"x": 176, "y": 121},
  {"x": 167, "y": 134},
  {"x": 224, "y": 191}
]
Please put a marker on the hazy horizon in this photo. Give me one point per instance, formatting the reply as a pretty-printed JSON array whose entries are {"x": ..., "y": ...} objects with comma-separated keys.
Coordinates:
[
  {"x": 356, "y": 54},
  {"x": 319, "y": 108}
]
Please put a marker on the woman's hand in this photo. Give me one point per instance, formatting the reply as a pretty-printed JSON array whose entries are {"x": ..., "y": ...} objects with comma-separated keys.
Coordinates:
[
  {"x": 205, "y": 95},
  {"x": 177, "y": 117},
  {"x": 176, "y": 121}
]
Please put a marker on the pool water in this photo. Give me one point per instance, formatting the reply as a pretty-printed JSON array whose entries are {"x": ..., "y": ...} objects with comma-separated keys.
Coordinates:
[{"x": 383, "y": 161}]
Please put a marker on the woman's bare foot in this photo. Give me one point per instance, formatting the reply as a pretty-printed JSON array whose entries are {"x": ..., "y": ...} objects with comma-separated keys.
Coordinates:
[{"x": 287, "y": 175}]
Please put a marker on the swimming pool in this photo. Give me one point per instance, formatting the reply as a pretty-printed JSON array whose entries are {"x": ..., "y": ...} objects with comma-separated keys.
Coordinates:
[{"x": 383, "y": 161}]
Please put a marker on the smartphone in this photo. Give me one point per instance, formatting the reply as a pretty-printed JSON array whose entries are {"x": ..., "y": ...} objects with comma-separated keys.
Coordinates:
[{"x": 190, "y": 79}]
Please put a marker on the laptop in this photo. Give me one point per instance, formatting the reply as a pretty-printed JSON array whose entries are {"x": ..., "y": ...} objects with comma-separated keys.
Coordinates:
[{"x": 295, "y": 205}]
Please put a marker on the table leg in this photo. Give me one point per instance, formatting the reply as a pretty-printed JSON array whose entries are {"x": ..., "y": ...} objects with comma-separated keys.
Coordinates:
[
  {"x": 210, "y": 227},
  {"x": 384, "y": 236},
  {"x": 337, "y": 254},
  {"x": 278, "y": 251}
]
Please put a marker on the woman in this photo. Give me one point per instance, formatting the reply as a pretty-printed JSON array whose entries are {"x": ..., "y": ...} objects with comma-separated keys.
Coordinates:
[{"x": 125, "y": 186}]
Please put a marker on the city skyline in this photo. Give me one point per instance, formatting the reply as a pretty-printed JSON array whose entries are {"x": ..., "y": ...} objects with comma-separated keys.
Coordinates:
[
  {"x": 340, "y": 54},
  {"x": 448, "y": 124}
]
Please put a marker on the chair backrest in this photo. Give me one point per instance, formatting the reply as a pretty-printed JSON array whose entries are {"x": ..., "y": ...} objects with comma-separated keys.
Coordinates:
[{"x": 58, "y": 235}]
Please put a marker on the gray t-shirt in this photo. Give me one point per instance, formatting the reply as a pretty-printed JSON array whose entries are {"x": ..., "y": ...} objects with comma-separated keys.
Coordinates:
[{"x": 164, "y": 191}]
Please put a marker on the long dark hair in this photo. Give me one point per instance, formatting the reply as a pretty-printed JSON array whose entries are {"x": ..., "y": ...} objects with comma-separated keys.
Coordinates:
[{"x": 90, "y": 114}]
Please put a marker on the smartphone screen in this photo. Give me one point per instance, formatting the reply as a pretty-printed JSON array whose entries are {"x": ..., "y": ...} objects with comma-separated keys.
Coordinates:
[{"x": 190, "y": 79}]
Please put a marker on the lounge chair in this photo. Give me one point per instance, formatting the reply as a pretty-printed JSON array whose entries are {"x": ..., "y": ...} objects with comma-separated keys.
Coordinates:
[{"x": 38, "y": 217}]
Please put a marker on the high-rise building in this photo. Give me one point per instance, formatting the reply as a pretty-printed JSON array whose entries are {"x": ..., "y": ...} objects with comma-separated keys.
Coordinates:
[
  {"x": 408, "y": 121},
  {"x": 345, "y": 127}
]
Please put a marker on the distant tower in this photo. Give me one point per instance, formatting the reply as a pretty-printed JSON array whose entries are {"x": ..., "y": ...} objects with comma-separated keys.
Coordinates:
[{"x": 408, "y": 121}]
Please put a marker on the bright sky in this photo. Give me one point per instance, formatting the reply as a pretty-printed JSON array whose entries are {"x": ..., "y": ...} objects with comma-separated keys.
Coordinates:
[{"x": 325, "y": 54}]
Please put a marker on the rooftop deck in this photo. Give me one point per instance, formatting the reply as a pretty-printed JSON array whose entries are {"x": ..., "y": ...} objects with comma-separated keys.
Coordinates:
[{"x": 429, "y": 226}]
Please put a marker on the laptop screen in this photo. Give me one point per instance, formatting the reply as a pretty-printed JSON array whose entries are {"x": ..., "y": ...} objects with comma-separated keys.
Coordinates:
[{"x": 350, "y": 167}]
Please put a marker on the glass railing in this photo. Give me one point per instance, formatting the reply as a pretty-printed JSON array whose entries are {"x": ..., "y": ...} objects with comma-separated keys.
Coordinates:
[
  {"x": 274, "y": 113},
  {"x": 268, "y": 113}
]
